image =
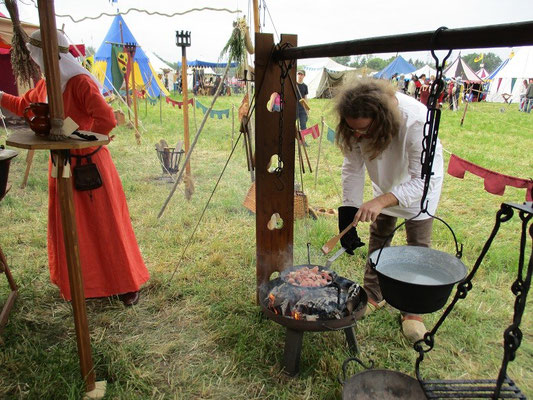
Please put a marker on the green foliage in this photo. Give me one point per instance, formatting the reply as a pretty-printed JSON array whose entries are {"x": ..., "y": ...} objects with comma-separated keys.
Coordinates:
[
  {"x": 344, "y": 60},
  {"x": 490, "y": 61},
  {"x": 417, "y": 63},
  {"x": 377, "y": 63},
  {"x": 201, "y": 335}
]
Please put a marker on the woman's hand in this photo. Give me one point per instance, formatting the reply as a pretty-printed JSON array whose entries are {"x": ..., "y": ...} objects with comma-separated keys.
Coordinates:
[{"x": 370, "y": 210}]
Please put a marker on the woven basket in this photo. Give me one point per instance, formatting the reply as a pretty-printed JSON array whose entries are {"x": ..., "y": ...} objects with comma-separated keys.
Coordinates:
[{"x": 300, "y": 202}]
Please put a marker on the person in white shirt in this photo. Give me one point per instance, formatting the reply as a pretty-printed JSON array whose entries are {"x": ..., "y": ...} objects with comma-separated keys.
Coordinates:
[{"x": 380, "y": 130}]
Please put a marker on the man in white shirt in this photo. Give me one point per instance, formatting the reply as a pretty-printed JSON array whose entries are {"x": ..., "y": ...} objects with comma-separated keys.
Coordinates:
[{"x": 381, "y": 131}]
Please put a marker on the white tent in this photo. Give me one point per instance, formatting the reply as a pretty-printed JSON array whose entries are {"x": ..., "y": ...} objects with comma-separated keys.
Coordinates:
[
  {"x": 510, "y": 78},
  {"x": 426, "y": 70},
  {"x": 483, "y": 73},
  {"x": 316, "y": 70},
  {"x": 162, "y": 68},
  {"x": 461, "y": 69}
]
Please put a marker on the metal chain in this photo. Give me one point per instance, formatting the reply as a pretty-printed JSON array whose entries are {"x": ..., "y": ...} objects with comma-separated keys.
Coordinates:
[
  {"x": 431, "y": 127},
  {"x": 284, "y": 72}
]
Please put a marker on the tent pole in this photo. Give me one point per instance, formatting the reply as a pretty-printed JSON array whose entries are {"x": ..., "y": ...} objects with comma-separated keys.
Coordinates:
[
  {"x": 127, "y": 86},
  {"x": 131, "y": 48}
]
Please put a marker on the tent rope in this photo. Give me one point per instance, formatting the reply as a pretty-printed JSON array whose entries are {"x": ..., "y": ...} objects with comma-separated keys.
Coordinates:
[{"x": 161, "y": 14}]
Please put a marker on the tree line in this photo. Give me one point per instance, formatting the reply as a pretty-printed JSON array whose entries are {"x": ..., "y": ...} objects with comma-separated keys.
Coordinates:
[{"x": 490, "y": 61}]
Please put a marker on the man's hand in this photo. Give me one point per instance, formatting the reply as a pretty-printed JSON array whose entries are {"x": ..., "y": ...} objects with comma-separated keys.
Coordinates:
[{"x": 370, "y": 210}]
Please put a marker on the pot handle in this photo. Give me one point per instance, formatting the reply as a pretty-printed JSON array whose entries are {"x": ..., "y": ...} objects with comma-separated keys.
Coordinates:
[
  {"x": 342, "y": 379},
  {"x": 25, "y": 113},
  {"x": 458, "y": 247}
]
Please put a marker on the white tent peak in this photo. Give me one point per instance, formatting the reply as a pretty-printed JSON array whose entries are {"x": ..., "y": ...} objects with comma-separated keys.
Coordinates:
[{"x": 509, "y": 79}]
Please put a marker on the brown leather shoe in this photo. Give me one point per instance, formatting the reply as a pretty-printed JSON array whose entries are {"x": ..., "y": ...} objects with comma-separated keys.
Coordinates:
[{"x": 130, "y": 298}]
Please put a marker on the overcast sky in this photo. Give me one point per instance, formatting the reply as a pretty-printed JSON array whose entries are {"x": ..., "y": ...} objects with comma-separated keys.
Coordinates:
[{"x": 313, "y": 21}]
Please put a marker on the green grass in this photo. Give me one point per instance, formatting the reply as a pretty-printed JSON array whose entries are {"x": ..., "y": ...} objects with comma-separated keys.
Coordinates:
[{"x": 201, "y": 335}]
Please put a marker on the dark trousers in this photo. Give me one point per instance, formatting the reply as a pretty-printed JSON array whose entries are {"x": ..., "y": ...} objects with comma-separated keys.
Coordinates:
[
  {"x": 418, "y": 234},
  {"x": 302, "y": 117}
]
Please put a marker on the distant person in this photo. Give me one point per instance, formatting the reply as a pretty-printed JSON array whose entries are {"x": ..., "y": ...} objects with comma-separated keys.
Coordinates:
[
  {"x": 452, "y": 89},
  {"x": 111, "y": 262},
  {"x": 401, "y": 84},
  {"x": 529, "y": 96},
  {"x": 411, "y": 86},
  {"x": 458, "y": 90},
  {"x": 380, "y": 130},
  {"x": 418, "y": 85},
  {"x": 302, "y": 109},
  {"x": 523, "y": 91},
  {"x": 301, "y": 93},
  {"x": 424, "y": 89}
]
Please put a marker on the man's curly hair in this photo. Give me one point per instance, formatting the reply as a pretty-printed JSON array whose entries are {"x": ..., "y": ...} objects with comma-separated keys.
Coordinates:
[{"x": 368, "y": 98}]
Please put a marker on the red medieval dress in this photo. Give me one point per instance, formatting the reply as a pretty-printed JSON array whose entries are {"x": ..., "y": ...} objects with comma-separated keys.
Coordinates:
[{"x": 111, "y": 262}]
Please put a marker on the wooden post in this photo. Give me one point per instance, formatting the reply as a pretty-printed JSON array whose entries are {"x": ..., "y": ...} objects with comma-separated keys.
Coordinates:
[
  {"x": 257, "y": 25},
  {"x": 70, "y": 237},
  {"x": 160, "y": 108},
  {"x": 232, "y": 123},
  {"x": 185, "y": 98},
  {"x": 6, "y": 309},
  {"x": 126, "y": 77},
  {"x": 274, "y": 192},
  {"x": 131, "y": 48},
  {"x": 29, "y": 160},
  {"x": 51, "y": 66},
  {"x": 319, "y": 147},
  {"x": 65, "y": 196}
]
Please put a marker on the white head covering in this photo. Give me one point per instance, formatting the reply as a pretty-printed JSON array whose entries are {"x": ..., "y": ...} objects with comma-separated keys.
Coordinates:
[{"x": 68, "y": 65}]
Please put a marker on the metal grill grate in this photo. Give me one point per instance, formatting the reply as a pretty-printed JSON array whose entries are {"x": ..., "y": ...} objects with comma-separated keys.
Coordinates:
[{"x": 470, "y": 389}]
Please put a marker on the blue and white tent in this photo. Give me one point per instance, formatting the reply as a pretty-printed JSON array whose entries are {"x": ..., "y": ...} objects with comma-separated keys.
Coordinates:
[
  {"x": 145, "y": 76},
  {"x": 397, "y": 66},
  {"x": 509, "y": 78}
]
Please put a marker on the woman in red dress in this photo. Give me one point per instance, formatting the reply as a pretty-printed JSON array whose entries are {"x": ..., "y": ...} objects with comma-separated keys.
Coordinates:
[{"x": 111, "y": 261}]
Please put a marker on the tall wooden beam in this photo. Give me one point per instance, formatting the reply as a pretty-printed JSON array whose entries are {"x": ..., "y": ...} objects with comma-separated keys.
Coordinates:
[
  {"x": 503, "y": 35},
  {"x": 274, "y": 193}
]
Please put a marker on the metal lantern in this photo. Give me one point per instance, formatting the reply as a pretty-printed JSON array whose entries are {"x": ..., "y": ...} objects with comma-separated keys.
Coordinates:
[{"x": 183, "y": 38}]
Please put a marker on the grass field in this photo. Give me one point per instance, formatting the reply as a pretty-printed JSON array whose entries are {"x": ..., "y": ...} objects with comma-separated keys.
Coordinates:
[{"x": 201, "y": 335}]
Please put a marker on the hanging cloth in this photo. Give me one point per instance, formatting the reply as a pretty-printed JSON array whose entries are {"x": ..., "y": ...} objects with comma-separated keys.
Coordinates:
[{"x": 494, "y": 182}]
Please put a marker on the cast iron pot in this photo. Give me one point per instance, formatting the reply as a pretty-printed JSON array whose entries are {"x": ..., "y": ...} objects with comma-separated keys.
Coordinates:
[
  {"x": 380, "y": 384},
  {"x": 5, "y": 160},
  {"x": 416, "y": 279}
]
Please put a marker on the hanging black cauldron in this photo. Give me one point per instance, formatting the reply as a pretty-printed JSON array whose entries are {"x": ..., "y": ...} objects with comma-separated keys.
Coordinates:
[
  {"x": 416, "y": 279},
  {"x": 5, "y": 160}
]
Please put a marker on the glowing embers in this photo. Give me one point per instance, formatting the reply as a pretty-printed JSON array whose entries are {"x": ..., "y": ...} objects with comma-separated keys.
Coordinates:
[
  {"x": 335, "y": 301},
  {"x": 275, "y": 222}
]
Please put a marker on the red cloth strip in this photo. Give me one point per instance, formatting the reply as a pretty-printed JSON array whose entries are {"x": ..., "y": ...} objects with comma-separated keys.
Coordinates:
[
  {"x": 313, "y": 131},
  {"x": 77, "y": 50},
  {"x": 179, "y": 103},
  {"x": 494, "y": 182}
]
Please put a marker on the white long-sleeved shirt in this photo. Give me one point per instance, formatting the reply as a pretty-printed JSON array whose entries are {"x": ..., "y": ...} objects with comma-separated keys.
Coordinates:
[{"x": 397, "y": 169}]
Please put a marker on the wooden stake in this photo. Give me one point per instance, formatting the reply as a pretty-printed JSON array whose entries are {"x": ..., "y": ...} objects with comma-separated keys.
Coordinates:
[
  {"x": 185, "y": 93},
  {"x": 29, "y": 160},
  {"x": 64, "y": 187},
  {"x": 131, "y": 48},
  {"x": 319, "y": 147},
  {"x": 126, "y": 77}
]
